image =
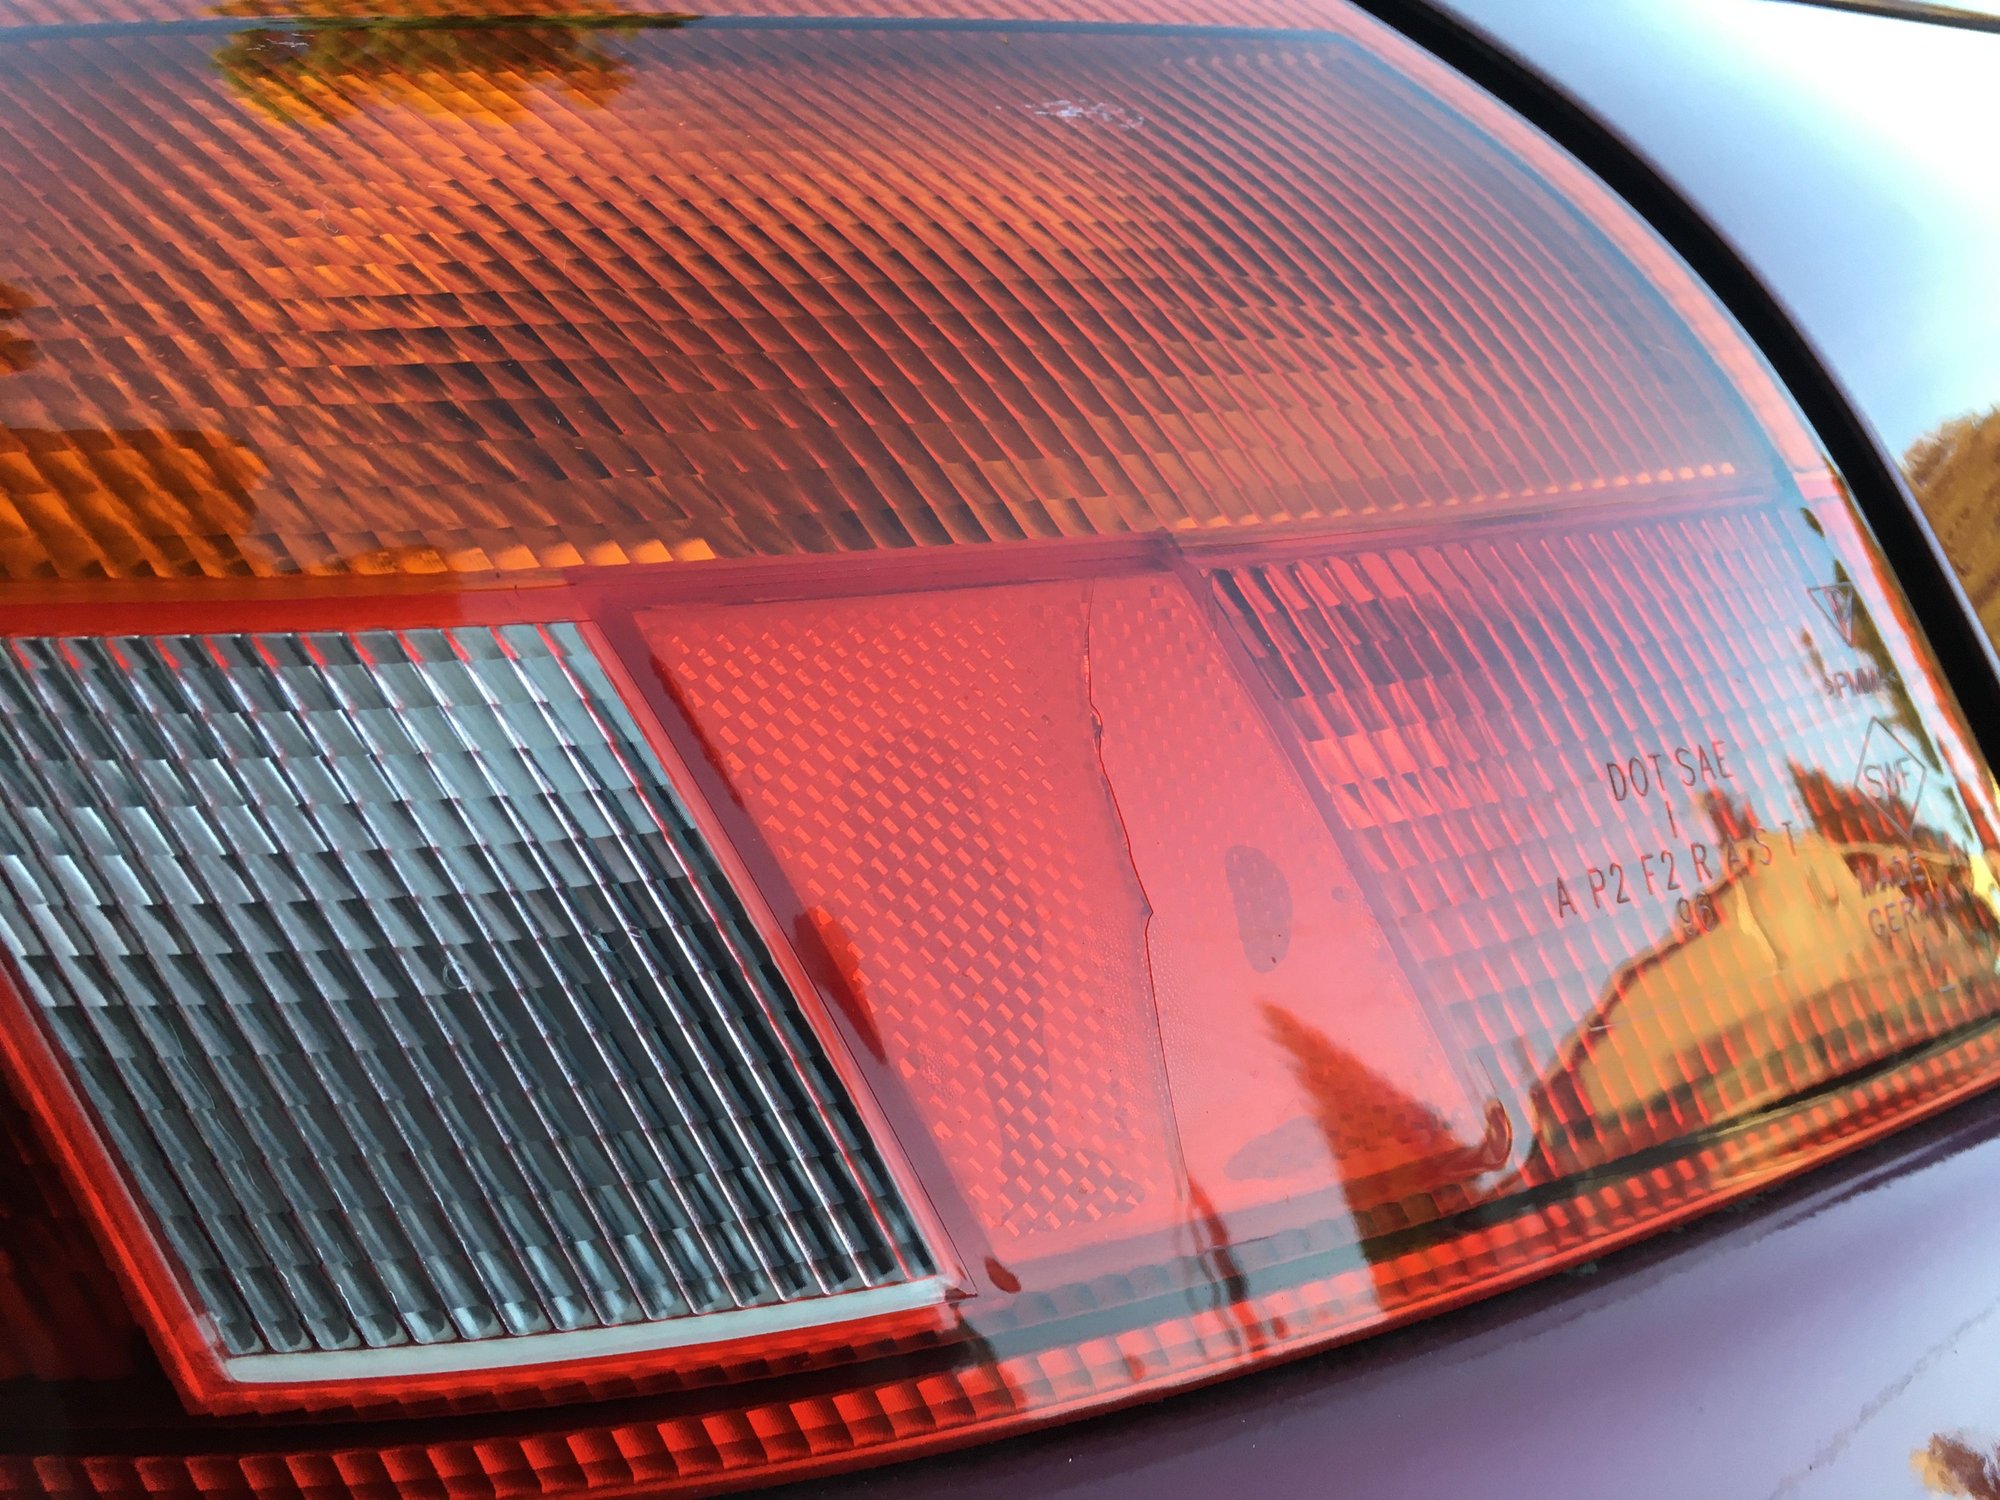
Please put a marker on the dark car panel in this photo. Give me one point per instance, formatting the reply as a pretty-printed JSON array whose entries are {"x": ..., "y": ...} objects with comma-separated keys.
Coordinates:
[
  {"x": 1848, "y": 156},
  {"x": 1837, "y": 1341}
]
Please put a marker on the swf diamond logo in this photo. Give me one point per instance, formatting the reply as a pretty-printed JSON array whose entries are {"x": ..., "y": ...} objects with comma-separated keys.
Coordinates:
[
  {"x": 1837, "y": 602},
  {"x": 1892, "y": 775}
]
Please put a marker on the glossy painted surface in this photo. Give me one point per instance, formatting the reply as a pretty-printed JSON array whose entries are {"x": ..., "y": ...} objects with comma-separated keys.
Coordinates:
[{"x": 1827, "y": 1343}]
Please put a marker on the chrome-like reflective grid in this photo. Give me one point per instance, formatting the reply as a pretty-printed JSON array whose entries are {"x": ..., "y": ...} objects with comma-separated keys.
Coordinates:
[{"x": 398, "y": 977}]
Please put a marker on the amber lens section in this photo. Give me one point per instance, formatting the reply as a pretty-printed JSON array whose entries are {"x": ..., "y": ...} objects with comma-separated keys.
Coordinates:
[
  {"x": 397, "y": 297},
  {"x": 1954, "y": 472}
]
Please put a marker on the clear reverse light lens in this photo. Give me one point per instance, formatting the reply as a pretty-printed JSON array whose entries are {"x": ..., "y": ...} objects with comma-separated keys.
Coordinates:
[{"x": 398, "y": 979}]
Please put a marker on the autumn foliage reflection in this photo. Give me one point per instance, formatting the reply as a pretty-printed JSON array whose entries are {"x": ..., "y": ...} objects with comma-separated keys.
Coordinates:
[
  {"x": 1955, "y": 474},
  {"x": 1949, "y": 1466},
  {"x": 485, "y": 67},
  {"x": 1821, "y": 949}
]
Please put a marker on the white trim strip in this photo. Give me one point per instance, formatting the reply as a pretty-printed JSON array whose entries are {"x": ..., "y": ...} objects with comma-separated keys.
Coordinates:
[{"x": 471, "y": 1355}]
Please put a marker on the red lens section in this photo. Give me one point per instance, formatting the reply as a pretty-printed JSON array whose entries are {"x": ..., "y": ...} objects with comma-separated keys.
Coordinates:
[
  {"x": 61, "y": 1308},
  {"x": 1097, "y": 921},
  {"x": 1633, "y": 822},
  {"x": 1444, "y": 870}
]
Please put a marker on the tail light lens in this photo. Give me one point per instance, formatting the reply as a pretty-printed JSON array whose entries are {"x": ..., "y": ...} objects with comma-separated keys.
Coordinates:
[
  {"x": 390, "y": 974},
  {"x": 704, "y": 781}
]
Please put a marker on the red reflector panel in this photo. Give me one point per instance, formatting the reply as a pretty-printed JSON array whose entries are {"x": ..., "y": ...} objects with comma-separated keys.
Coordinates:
[
  {"x": 926, "y": 769},
  {"x": 1083, "y": 888},
  {"x": 1282, "y": 1080}
]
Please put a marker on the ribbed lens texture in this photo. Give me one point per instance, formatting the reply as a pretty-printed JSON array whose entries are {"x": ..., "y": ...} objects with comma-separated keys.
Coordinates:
[
  {"x": 1387, "y": 765},
  {"x": 504, "y": 297},
  {"x": 1670, "y": 834},
  {"x": 394, "y": 971},
  {"x": 1081, "y": 891}
]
